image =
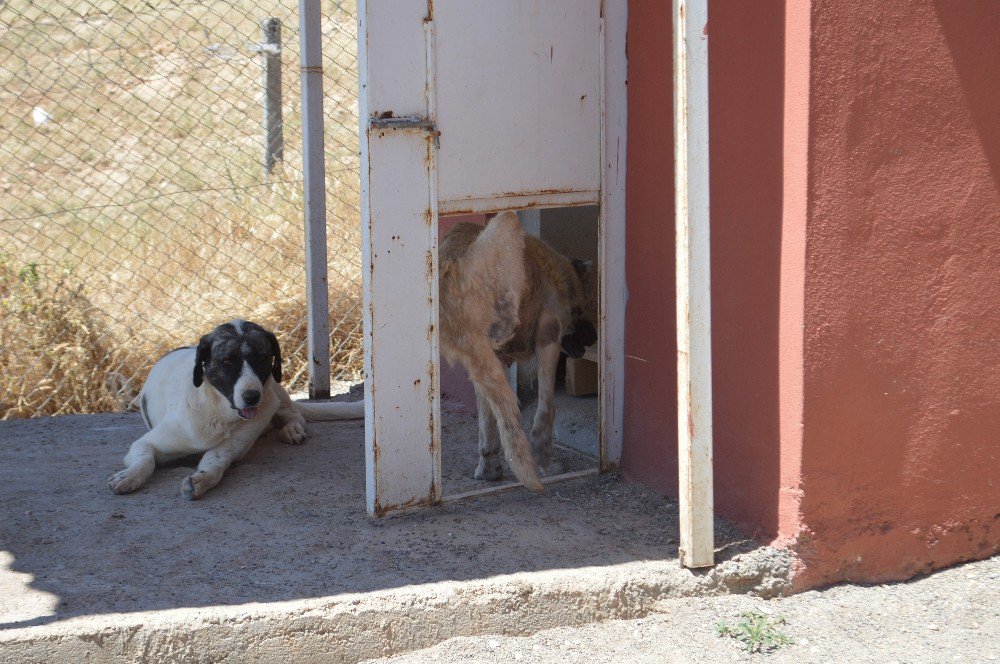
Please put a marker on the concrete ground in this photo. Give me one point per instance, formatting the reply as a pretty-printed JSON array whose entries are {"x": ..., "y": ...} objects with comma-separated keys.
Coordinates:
[
  {"x": 281, "y": 553},
  {"x": 950, "y": 616}
]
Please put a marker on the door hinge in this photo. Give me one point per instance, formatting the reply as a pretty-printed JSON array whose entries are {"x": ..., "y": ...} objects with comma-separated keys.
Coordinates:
[{"x": 410, "y": 122}]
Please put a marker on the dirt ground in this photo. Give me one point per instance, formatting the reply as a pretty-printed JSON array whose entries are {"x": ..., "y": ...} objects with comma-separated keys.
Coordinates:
[
  {"x": 286, "y": 523},
  {"x": 950, "y": 616}
]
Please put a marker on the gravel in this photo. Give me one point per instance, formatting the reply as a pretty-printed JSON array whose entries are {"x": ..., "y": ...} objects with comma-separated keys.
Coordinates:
[{"x": 950, "y": 616}]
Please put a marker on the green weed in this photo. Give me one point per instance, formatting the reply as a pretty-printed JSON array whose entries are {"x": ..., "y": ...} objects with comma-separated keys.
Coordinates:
[{"x": 756, "y": 632}]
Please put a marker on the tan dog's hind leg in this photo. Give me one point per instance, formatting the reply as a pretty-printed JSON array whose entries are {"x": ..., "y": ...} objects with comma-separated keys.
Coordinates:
[
  {"x": 486, "y": 371},
  {"x": 490, "y": 466},
  {"x": 547, "y": 359}
]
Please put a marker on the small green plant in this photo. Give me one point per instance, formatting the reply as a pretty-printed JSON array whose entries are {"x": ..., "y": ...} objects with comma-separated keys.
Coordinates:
[
  {"x": 29, "y": 274},
  {"x": 755, "y": 632}
]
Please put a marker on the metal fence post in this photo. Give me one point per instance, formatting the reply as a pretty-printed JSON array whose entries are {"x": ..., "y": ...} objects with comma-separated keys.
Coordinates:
[
  {"x": 314, "y": 189},
  {"x": 270, "y": 48}
]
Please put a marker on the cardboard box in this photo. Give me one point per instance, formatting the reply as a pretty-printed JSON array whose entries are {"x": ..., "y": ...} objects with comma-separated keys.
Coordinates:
[{"x": 581, "y": 377}]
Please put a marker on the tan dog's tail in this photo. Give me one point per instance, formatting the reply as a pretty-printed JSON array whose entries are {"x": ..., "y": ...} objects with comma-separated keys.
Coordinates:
[
  {"x": 331, "y": 410},
  {"x": 497, "y": 258},
  {"x": 522, "y": 462}
]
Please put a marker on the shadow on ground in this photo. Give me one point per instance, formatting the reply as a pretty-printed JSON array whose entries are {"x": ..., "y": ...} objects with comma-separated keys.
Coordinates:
[{"x": 286, "y": 523}]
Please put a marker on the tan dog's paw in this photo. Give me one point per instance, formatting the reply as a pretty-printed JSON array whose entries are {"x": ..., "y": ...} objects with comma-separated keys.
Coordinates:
[
  {"x": 489, "y": 469},
  {"x": 293, "y": 433}
]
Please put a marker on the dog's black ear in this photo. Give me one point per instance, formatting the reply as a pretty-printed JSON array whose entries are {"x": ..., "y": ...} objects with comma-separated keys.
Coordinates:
[
  {"x": 276, "y": 354},
  {"x": 201, "y": 356}
]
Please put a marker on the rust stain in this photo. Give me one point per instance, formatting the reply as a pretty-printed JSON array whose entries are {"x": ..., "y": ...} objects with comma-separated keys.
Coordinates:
[
  {"x": 539, "y": 192},
  {"x": 382, "y": 510},
  {"x": 691, "y": 425},
  {"x": 526, "y": 200},
  {"x": 430, "y": 11},
  {"x": 521, "y": 204}
]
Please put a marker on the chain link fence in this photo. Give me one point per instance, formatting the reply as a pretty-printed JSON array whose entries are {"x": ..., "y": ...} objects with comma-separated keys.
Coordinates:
[{"x": 136, "y": 207}]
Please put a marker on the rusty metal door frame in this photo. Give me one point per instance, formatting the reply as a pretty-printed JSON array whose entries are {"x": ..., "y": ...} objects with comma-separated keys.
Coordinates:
[{"x": 400, "y": 205}]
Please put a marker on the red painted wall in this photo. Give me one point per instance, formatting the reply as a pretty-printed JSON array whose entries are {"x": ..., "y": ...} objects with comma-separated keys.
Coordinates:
[
  {"x": 856, "y": 269},
  {"x": 649, "y": 448},
  {"x": 746, "y": 53},
  {"x": 901, "y": 454}
]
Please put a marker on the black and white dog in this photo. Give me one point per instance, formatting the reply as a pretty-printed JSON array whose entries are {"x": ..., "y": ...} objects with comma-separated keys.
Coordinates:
[{"x": 218, "y": 399}]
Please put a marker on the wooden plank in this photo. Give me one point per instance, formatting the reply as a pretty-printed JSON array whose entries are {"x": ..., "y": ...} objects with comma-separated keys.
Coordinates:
[
  {"x": 694, "y": 339},
  {"x": 399, "y": 246}
]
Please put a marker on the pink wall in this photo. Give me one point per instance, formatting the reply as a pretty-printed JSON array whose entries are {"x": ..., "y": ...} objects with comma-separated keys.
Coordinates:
[
  {"x": 856, "y": 318},
  {"x": 901, "y": 455},
  {"x": 746, "y": 68},
  {"x": 650, "y": 428}
]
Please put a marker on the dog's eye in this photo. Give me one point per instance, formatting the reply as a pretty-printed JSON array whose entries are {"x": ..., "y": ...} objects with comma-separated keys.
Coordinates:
[{"x": 227, "y": 362}]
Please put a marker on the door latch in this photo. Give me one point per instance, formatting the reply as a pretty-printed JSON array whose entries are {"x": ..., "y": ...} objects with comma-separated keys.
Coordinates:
[{"x": 408, "y": 122}]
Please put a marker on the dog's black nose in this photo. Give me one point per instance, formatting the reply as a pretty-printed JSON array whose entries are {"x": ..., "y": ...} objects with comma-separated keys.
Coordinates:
[{"x": 251, "y": 397}]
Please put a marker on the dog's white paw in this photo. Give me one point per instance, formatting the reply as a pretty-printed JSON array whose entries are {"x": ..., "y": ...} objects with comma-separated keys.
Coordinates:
[
  {"x": 293, "y": 433},
  {"x": 194, "y": 486},
  {"x": 125, "y": 481}
]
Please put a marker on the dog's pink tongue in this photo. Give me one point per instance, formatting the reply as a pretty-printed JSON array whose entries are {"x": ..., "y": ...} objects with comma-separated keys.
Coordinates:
[{"x": 248, "y": 413}]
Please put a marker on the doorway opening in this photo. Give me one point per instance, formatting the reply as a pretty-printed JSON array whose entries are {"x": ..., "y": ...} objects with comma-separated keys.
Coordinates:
[{"x": 573, "y": 233}]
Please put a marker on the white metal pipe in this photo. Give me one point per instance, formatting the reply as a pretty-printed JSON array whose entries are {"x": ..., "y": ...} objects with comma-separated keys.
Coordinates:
[
  {"x": 694, "y": 332},
  {"x": 314, "y": 190},
  {"x": 493, "y": 490}
]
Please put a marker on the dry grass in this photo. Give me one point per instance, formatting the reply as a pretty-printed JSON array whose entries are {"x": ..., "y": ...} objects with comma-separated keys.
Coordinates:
[{"x": 138, "y": 217}]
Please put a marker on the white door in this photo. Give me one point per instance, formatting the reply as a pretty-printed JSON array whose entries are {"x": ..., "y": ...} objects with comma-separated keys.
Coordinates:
[{"x": 475, "y": 106}]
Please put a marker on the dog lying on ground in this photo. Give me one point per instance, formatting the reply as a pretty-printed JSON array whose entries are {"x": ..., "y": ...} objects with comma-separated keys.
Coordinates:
[
  {"x": 217, "y": 399},
  {"x": 505, "y": 296}
]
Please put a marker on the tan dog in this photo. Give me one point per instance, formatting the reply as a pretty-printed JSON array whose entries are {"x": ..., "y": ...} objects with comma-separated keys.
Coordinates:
[{"x": 505, "y": 297}]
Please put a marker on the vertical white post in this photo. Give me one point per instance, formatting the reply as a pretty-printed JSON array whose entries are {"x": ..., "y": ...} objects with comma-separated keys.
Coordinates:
[
  {"x": 314, "y": 188},
  {"x": 694, "y": 335},
  {"x": 399, "y": 254},
  {"x": 611, "y": 239}
]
